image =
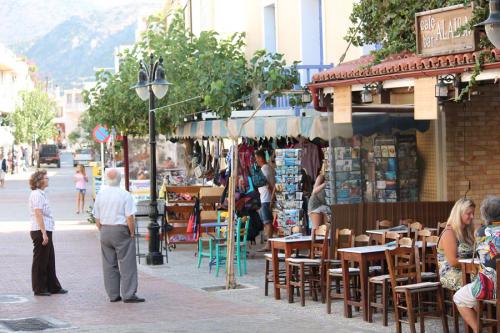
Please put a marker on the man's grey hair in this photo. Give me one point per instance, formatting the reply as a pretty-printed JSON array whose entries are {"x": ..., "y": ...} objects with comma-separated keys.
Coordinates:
[
  {"x": 490, "y": 209},
  {"x": 113, "y": 177}
]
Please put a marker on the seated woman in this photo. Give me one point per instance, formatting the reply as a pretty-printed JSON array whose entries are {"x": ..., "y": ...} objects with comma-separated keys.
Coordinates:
[
  {"x": 317, "y": 207},
  {"x": 456, "y": 242},
  {"x": 488, "y": 248}
]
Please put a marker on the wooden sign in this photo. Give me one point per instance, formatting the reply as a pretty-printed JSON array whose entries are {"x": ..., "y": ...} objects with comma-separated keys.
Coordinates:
[
  {"x": 342, "y": 105},
  {"x": 439, "y": 31},
  {"x": 426, "y": 107}
]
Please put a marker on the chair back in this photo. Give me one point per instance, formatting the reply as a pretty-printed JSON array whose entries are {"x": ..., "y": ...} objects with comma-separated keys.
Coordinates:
[
  {"x": 390, "y": 236},
  {"x": 429, "y": 254},
  {"x": 405, "y": 242},
  {"x": 422, "y": 234},
  {"x": 361, "y": 240},
  {"x": 295, "y": 229},
  {"x": 440, "y": 227},
  {"x": 320, "y": 241},
  {"x": 406, "y": 222},
  {"x": 414, "y": 227},
  {"x": 343, "y": 239},
  {"x": 402, "y": 265},
  {"x": 383, "y": 224},
  {"x": 241, "y": 233}
]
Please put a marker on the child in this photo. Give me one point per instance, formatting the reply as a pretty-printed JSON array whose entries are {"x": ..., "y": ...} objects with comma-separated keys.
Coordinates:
[{"x": 81, "y": 180}]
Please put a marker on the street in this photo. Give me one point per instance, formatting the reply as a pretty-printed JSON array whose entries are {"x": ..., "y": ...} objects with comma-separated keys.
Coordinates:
[{"x": 175, "y": 301}]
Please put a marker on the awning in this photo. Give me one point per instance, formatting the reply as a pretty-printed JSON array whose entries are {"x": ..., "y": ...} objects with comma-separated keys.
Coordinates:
[{"x": 310, "y": 127}]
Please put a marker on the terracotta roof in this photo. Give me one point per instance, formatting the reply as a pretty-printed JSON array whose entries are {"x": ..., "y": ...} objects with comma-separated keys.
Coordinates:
[{"x": 398, "y": 63}]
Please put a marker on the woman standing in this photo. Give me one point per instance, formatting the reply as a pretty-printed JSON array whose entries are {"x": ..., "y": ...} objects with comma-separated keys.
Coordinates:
[
  {"x": 317, "y": 207},
  {"x": 456, "y": 242},
  {"x": 43, "y": 271},
  {"x": 81, "y": 180}
]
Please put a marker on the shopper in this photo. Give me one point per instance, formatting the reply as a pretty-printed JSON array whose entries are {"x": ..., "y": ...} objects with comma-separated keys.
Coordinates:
[
  {"x": 266, "y": 196},
  {"x": 43, "y": 271},
  {"x": 3, "y": 170},
  {"x": 488, "y": 247},
  {"x": 456, "y": 242},
  {"x": 81, "y": 180},
  {"x": 317, "y": 207},
  {"x": 114, "y": 211}
]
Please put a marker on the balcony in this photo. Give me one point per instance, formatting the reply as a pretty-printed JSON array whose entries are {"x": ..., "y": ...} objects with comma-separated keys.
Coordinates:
[{"x": 305, "y": 72}]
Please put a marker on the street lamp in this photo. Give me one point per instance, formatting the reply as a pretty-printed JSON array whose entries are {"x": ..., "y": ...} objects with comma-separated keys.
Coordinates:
[
  {"x": 151, "y": 85},
  {"x": 492, "y": 24}
]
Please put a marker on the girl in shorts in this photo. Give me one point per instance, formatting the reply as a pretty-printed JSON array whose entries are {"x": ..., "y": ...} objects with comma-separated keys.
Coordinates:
[{"x": 81, "y": 180}]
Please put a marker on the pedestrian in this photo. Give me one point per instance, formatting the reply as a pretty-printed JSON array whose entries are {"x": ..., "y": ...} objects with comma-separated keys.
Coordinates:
[
  {"x": 81, "y": 180},
  {"x": 114, "y": 210},
  {"x": 317, "y": 206},
  {"x": 487, "y": 246},
  {"x": 3, "y": 170},
  {"x": 43, "y": 271},
  {"x": 266, "y": 196}
]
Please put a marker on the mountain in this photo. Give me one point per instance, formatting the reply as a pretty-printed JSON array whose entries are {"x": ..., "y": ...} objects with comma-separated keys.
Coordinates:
[{"x": 69, "y": 39}]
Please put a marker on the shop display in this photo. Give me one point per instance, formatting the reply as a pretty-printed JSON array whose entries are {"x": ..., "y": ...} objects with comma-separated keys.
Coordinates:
[
  {"x": 289, "y": 195},
  {"x": 386, "y": 168},
  {"x": 347, "y": 171},
  {"x": 328, "y": 172}
]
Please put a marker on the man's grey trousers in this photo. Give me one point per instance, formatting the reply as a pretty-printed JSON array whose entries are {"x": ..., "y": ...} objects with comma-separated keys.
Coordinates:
[{"x": 118, "y": 262}]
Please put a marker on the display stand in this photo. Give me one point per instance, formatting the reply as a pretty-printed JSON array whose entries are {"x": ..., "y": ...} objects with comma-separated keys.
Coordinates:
[
  {"x": 386, "y": 169},
  {"x": 408, "y": 170},
  {"x": 347, "y": 171},
  {"x": 288, "y": 189}
]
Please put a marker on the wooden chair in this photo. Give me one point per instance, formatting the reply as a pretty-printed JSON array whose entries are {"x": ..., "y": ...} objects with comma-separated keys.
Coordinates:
[
  {"x": 489, "y": 320},
  {"x": 269, "y": 274},
  {"x": 406, "y": 222},
  {"x": 209, "y": 238},
  {"x": 361, "y": 240},
  {"x": 240, "y": 255},
  {"x": 429, "y": 267},
  {"x": 404, "y": 271},
  {"x": 309, "y": 270},
  {"x": 383, "y": 224},
  {"x": 390, "y": 236},
  {"x": 405, "y": 242},
  {"x": 440, "y": 227},
  {"x": 413, "y": 229}
]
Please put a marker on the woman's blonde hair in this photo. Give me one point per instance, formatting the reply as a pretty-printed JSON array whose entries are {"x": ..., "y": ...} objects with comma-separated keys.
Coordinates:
[
  {"x": 36, "y": 179},
  {"x": 455, "y": 221}
]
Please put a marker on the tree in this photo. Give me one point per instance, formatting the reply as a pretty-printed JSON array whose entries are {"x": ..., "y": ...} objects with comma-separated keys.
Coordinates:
[
  {"x": 34, "y": 117},
  {"x": 391, "y": 23},
  {"x": 206, "y": 72}
]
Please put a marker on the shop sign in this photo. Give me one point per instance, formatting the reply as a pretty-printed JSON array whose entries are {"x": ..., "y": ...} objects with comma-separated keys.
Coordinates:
[{"x": 439, "y": 31}]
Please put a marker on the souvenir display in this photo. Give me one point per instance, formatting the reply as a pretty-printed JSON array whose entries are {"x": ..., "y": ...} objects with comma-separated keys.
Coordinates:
[
  {"x": 288, "y": 188},
  {"x": 347, "y": 171},
  {"x": 386, "y": 168},
  {"x": 408, "y": 171}
]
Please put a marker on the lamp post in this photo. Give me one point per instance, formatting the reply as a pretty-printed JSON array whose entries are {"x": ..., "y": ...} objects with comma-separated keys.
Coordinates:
[{"x": 152, "y": 85}]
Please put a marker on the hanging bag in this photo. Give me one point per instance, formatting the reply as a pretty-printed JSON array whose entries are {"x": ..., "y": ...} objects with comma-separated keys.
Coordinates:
[{"x": 257, "y": 176}]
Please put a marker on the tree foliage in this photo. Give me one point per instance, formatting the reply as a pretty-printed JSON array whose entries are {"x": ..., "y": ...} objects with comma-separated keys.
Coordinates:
[
  {"x": 391, "y": 23},
  {"x": 34, "y": 116},
  {"x": 207, "y": 72}
]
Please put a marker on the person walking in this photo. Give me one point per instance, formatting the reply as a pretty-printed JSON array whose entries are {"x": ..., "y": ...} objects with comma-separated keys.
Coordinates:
[
  {"x": 81, "y": 180},
  {"x": 43, "y": 271},
  {"x": 3, "y": 170},
  {"x": 114, "y": 210}
]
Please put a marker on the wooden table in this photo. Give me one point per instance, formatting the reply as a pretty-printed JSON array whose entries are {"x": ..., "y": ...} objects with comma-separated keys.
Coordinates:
[
  {"x": 363, "y": 255},
  {"x": 288, "y": 245},
  {"x": 377, "y": 234},
  {"x": 468, "y": 266}
]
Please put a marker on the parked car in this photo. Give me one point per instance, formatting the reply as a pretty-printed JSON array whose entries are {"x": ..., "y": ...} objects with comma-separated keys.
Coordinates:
[
  {"x": 83, "y": 156},
  {"x": 49, "y": 154}
]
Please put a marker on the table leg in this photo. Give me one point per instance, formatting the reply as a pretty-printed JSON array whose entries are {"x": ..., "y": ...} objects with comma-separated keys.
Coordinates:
[
  {"x": 363, "y": 276},
  {"x": 276, "y": 274},
  {"x": 347, "y": 294},
  {"x": 288, "y": 254},
  {"x": 466, "y": 280}
]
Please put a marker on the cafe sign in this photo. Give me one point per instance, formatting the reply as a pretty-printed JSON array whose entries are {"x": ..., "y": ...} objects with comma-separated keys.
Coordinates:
[{"x": 439, "y": 31}]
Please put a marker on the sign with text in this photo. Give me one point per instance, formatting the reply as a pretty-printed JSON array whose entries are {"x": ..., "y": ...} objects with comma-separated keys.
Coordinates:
[{"x": 441, "y": 31}]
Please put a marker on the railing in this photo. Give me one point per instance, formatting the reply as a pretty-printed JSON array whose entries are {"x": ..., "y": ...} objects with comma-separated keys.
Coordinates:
[{"x": 305, "y": 76}]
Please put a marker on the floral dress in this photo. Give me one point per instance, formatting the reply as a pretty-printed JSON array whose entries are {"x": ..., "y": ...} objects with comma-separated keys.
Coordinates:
[{"x": 451, "y": 277}]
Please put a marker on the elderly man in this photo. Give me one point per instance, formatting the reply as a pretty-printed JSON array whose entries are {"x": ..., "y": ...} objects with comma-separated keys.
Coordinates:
[
  {"x": 114, "y": 211},
  {"x": 488, "y": 248}
]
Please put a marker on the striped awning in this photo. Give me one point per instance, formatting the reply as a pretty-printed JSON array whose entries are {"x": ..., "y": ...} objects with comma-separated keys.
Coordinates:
[{"x": 310, "y": 127}]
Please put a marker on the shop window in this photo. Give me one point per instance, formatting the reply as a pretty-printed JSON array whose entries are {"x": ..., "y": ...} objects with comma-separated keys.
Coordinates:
[{"x": 270, "y": 28}]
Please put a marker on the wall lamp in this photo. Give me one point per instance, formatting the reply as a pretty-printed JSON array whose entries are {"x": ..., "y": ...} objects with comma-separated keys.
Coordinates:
[
  {"x": 441, "y": 91},
  {"x": 366, "y": 94},
  {"x": 492, "y": 24}
]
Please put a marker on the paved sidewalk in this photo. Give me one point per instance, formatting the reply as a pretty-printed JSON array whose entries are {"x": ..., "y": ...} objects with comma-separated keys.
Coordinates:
[{"x": 174, "y": 299}]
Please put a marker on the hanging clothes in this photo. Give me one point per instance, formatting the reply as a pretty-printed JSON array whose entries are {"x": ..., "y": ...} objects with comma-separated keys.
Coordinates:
[{"x": 311, "y": 160}]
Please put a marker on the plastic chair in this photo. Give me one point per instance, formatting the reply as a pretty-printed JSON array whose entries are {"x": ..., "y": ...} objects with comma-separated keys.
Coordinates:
[{"x": 240, "y": 247}]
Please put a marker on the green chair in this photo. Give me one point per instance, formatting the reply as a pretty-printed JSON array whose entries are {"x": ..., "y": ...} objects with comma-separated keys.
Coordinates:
[
  {"x": 240, "y": 247},
  {"x": 209, "y": 216}
]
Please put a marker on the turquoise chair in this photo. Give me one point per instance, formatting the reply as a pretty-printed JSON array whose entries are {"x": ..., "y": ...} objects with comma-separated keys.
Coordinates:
[
  {"x": 211, "y": 241},
  {"x": 240, "y": 255}
]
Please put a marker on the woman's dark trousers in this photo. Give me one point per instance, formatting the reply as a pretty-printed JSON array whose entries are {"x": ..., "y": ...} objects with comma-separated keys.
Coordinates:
[{"x": 43, "y": 270}]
